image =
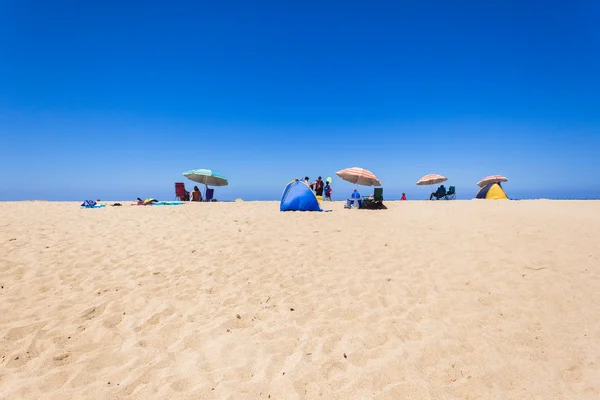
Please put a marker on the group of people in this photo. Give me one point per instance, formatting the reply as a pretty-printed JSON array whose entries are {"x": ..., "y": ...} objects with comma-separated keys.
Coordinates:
[
  {"x": 323, "y": 188},
  {"x": 320, "y": 187}
]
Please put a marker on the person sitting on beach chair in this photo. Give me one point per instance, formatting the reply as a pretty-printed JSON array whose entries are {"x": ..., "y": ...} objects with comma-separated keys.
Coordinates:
[
  {"x": 354, "y": 199},
  {"x": 196, "y": 194},
  {"x": 450, "y": 194},
  {"x": 439, "y": 193},
  {"x": 375, "y": 201},
  {"x": 180, "y": 192}
]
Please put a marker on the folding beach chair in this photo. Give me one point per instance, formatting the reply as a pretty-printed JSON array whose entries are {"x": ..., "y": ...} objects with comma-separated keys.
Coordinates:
[
  {"x": 180, "y": 191},
  {"x": 451, "y": 194},
  {"x": 355, "y": 201},
  {"x": 376, "y": 202},
  {"x": 210, "y": 193},
  {"x": 378, "y": 194}
]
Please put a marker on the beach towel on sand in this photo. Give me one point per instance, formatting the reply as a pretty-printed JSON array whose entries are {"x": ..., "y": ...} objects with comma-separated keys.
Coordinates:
[
  {"x": 167, "y": 203},
  {"x": 160, "y": 203}
]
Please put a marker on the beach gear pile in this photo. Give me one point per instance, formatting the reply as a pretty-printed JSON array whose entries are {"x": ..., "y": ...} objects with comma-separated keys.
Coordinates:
[{"x": 91, "y": 204}]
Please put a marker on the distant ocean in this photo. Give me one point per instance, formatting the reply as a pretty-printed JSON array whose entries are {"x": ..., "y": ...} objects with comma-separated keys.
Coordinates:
[
  {"x": 423, "y": 195},
  {"x": 228, "y": 194}
]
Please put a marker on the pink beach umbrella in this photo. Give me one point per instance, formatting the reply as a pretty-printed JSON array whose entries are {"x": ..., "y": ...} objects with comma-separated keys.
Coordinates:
[
  {"x": 492, "y": 179},
  {"x": 431, "y": 179},
  {"x": 359, "y": 176}
]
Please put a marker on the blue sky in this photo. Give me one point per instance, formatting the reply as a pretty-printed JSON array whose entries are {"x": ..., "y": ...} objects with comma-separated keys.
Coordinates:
[{"x": 116, "y": 99}]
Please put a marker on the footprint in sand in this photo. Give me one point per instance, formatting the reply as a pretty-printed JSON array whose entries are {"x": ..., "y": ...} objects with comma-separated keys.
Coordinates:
[
  {"x": 21, "y": 331},
  {"x": 181, "y": 385},
  {"x": 155, "y": 319},
  {"x": 16, "y": 360},
  {"x": 112, "y": 322},
  {"x": 61, "y": 357},
  {"x": 91, "y": 313}
]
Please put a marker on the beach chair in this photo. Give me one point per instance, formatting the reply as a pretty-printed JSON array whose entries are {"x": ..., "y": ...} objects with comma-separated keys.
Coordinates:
[
  {"x": 180, "y": 191},
  {"x": 439, "y": 194},
  {"x": 375, "y": 202},
  {"x": 378, "y": 194},
  {"x": 210, "y": 194},
  {"x": 355, "y": 201},
  {"x": 451, "y": 194}
]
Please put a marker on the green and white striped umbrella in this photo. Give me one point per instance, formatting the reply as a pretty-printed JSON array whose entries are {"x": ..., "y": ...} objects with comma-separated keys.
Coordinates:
[{"x": 206, "y": 177}]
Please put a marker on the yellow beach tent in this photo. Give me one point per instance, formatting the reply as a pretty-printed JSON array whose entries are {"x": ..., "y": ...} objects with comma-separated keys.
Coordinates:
[{"x": 492, "y": 191}]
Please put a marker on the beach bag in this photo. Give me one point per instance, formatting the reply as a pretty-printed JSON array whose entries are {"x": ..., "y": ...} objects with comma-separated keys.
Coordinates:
[{"x": 88, "y": 203}]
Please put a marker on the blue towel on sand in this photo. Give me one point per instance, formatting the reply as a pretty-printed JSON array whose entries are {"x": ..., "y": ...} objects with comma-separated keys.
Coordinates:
[{"x": 167, "y": 203}]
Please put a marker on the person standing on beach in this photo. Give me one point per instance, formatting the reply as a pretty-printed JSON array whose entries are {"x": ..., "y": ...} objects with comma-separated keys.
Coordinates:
[
  {"x": 328, "y": 191},
  {"x": 403, "y": 196},
  {"x": 319, "y": 185}
]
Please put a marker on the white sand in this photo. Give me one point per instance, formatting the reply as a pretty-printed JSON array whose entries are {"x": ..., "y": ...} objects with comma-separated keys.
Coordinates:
[{"x": 426, "y": 300}]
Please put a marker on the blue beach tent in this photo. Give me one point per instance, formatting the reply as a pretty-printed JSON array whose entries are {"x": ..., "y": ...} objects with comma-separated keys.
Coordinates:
[{"x": 297, "y": 196}]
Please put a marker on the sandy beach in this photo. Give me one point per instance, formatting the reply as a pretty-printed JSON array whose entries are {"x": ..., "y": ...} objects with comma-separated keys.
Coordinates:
[{"x": 425, "y": 300}]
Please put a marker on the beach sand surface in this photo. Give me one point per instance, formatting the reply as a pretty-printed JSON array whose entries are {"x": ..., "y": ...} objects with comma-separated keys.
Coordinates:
[{"x": 425, "y": 300}]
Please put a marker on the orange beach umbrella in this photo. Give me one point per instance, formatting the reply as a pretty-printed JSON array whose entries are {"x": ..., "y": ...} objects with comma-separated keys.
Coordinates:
[
  {"x": 359, "y": 176},
  {"x": 431, "y": 179},
  {"x": 492, "y": 179}
]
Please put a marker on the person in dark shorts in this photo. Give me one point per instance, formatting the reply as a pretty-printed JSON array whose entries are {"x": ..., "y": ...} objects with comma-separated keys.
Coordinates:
[
  {"x": 328, "y": 191},
  {"x": 439, "y": 193},
  {"x": 319, "y": 185}
]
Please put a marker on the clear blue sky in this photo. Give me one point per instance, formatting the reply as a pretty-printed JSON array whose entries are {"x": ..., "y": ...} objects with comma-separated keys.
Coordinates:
[{"x": 115, "y": 99}]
